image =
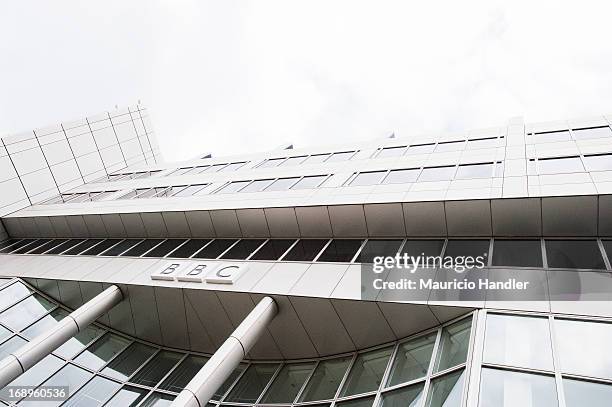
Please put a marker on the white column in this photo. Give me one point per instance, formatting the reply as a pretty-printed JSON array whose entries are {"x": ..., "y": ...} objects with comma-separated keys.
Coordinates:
[
  {"x": 212, "y": 375},
  {"x": 31, "y": 353}
]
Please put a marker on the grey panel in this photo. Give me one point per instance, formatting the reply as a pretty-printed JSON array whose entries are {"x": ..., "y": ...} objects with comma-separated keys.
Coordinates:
[
  {"x": 89, "y": 290},
  {"x": 282, "y": 222},
  {"x": 319, "y": 280},
  {"x": 50, "y": 288},
  {"x": 95, "y": 225},
  {"x": 70, "y": 293},
  {"x": 209, "y": 312},
  {"x": 313, "y": 221},
  {"x": 605, "y": 215},
  {"x": 252, "y": 222},
  {"x": 45, "y": 228},
  {"x": 120, "y": 316},
  {"x": 407, "y": 319},
  {"x": 200, "y": 224},
  {"x": 114, "y": 225},
  {"x": 176, "y": 223},
  {"x": 13, "y": 227},
  {"x": 516, "y": 217},
  {"x": 569, "y": 216},
  {"x": 29, "y": 226},
  {"x": 425, "y": 218},
  {"x": 225, "y": 223},
  {"x": 323, "y": 325},
  {"x": 77, "y": 226},
  {"x": 281, "y": 277},
  {"x": 171, "y": 310},
  {"x": 445, "y": 313},
  {"x": 144, "y": 309},
  {"x": 348, "y": 220},
  {"x": 60, "y": 225},
  {"x": 154, "y": 224},
  {"x": 468, "y": 218},
  {"x": 364, "y": 322},
  {"x": 197, "y": 326},
  {"x": 133, "y": 224},
  {"x": 385, "y": 220}
]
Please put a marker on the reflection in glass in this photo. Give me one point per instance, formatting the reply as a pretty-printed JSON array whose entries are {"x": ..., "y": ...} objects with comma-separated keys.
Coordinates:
[
  {"x": 437, "y": 173},
  {"x": 584, "y": 347},
  {"x": 22, "y": 314},
  {"x": 94, "y": 393},
  {"x": 11, "y": 345},
  {"x": 469, "y": 171},
  {"x": 454, "y": 343},
  {"x": 35, "y": 375},
  {"x": 518, "y": 341},
  {"x": 282, "y": 184},
  {"x": 128, "y": 396},
  {"x": 71, "y": 376},
  {"x": 368, "y": 178},
  {"x": 325, "y": 380},
  {"x": 228, "y": 383},
  {"x": 367, "y": 372},
  {"x": 412, "y": 359},
  {"x": 158, "y": 400},
  {"x": 576, "y": 254},
  {"x": 101, "y": 351},
  {"x": 309, "y": 182},
  {"x": 156, "y": 368},
  {"x": 446, "y": 391},
  {"x": 362, "y": 402},
  {"x": 560, "y": 165},
  {"x": 402, "y": 176},
  {"x": 579, "y": 393},
  {"x": 500, "y": 388},
  {"x": 184, "y": 372},
  {"x": 517, "y": 253},
  {"x": 73, "y": 345},
  {"x": 252, "y": 383},
  {"x": 128, "y": 361},
  {"x": 10, "y": 294},
  {"x": 288, "y": 383},
  {"x": 405, "y": 397}
]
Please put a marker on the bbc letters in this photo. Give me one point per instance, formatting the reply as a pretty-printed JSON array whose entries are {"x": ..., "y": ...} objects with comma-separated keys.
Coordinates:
[{"x": 199, "y": 272}]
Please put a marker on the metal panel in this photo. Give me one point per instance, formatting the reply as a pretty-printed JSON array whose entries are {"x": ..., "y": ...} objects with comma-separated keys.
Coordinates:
[
  {"x": 252, "y": 222},
  {"x": 13, "y": 227},
  {"x": 29, "y": 227},
  {"x": 133, "y": 224},
  {"x": 120, "y": 316},
  {"x": 425, "y": 218},
  {"x": 154, "y": 224},
  {"x": 60, "y": 225},
  {"x": 569, "y": 216},
  {"x": 280, "y": 278},
  {"x": 176, "y": 224},
  {"x": 226, "y": 223},
  {"x": 45, "y": 228},
  {"x": 198, "y": 320},
  {"x": 364, "y": 322},
  {"x": 114, "y": 225},
  {"x": 282, "y": 222},
  {"x": 407, "y": 319},
  {"x": 313, "y": 221},
  {"x": 319, "y": 280},
  {"x": 171, "y": 310},
  {"x": 348, "y": 220},
  {"x": 208, "y": 311},
  {"x": 70, "y": 293},
  {"x": 144, "y": 310},
  {"x": 200, "y": 224},
  {"x": 468, "y": 218},
  {"x": 385, "y": 220},
  {"x": 605, "y": 215},
  {"x": 89, "y": 290},
  {"x": 77, "y": 226},
  {"x": 516, "y": 217},
  {"x": 95, "y": 225}
]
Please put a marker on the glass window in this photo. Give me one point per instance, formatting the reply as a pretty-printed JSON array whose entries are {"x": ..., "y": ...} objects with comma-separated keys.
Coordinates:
[
  {"x": 559, "y": 165},
  {"x": 214, "y": 249},
  {"x": 82, "y": 246},
  {"x": 148, "y": 193},
  {"x": 35, "y": 375},
  {"x": 229, "y": 381},
  {"x": 273, "y": 249},
  {"x": 232, "y": 167},
  {"x": 325, "y": 380},
  {"x": 47, "y": 246},
  {"x": 242, "y": 249},
  {"x": 468, "y": 171},
  {"x": 391, "y": 152},
  {"x": 34, "y": 244},
  {"x": 45, "y": 323},
  {"x": 128, "y": 396},
  {"x": 184, "y": 372},
  {"x": 102, "y": 195},
  {"x": 402, "y": 176},
  {"x": 473, "y": 248},
  {"x": 156, "y": 368},
  {"x": 232, "y": 187},
  {"x": 120, "y": 247},
  {"x": 288, "y": 383},
  {"x": 518, "y": 341},
  {"x": 309, "y": 182},
  {"x": 4, "y": 333},
  {"x": 341, "y": 250},
  {"x": 102, "y": 350},
  {"x": 142, "y": 247},
  {"x": 99, "y": 248},
  {"x": 378, "y": 247},
  {"x": 158, "y": 400},
  {"x": 18, "y": 244},
  {"x": 164, "y": 248},
  {"x": 214, "y": 168},
  {"x": 94, "y": 393},
  {"x": 124, "y": 365},
  {"x": 490, "y": 142},
  {"x": 593, "y": 132},
  {"x": 71, "y": 376},
  {"x": 252, "y": 383},
  {"x": 305, "y": 250},
  {"x": 282, "y": 184},
  {"x": 453, "y": 347},
  {"x": 11, "y": 345},
  {"x": 316, "y": 158},
  {"x": 73, "y": 345},
  {"x": 552, "y": 136},
  {"x": 257, "y": 185},
  {"x": 576, "y": 254},
  {"x": 344, "y": 156},
  {"x": 64, "y": 246},
  {"x": 583, "y": 347},
  {"x": 421, "y": 148},
  {"x": 446, "y": 391},
  {"x": 423, "y": 248},
  {"x": 450, "y": 146},
  {"x": 598, "y": 162},
  {"x": 6, "y": 243},
  {"x": 293, "y": 161},
  {"x": 437, "y": 173},
  {"x": 368, "y": 178},
  {"x": 362, "y": 402},
  {"x": 24, "y": 313},
  {"x": 579, "y": 393},
  {"x": 367, "y": 372},
  {"x": 500, "y": 388},
  {"x": 517, "y": 253},
  {"x": 405, "y": 397},
  {"x": 187, "y": 191},
  {"x": 12, "y": 293},
  {"x": 412, "y": 359},
  {"x": 188, "y": 249},
  {"x": 273, "y": 162}
]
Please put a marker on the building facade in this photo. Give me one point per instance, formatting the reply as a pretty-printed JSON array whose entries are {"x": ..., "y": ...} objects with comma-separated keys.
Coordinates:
[{"x": 194, "y": 246}]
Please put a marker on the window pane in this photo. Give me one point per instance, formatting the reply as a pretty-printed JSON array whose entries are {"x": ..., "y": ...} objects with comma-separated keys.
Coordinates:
[
  {"x": 600, "y": 162},
  {"x": 32, "y": 245},
  {"x": 4, "y": 333},
  {"x": 94, "y": 393},
  {"x": 120, "y": 247},
  {"x": 282, "y": 184},
  {"x": 189, "y": 248},
  {"x": 188, "y": 191},
  {"x": 293, "y": 161},
  {"x": 128, "y": 361},
  {"x": 47, "y": 246},
  {"x": 17, "y": 245},
  {"x": 552, "y": 136},
  {"x": 446, "y": 391},
  {"x": 242, "y": 249},
  {"x": 35, "y": 375},
  {"x": 47, "y": 322},
  {"x": 517, "y": 253},
  {"x": 234, "y": 186},
  {"x": 271, "y": 163},
  {"x": 24, "y": 313},
  {"x": 518, "y": 341},
  {"x": 128, "y": 396},
  {"x": 73, "y": 345},
  {"x": 317, "y": 158},
  {"x": 180, "y": 376},
  {"x": 325, "y": 380},
  {"x": 579, "y": 393},
  {"x": 378, "y": 247},
  {"x": 402, "y": 176},
  {"x": 101, "y": 351},
  {"x": 165, "y": 248},
  {"x": 288, "y": 383},
  {"x": 368, "y": 178},
  {"x": 483, "y": 143},
  {"x": 341, "y": 250},
  {"x": 405, "y": 397},
  {"x": 391, "y": 152},
  {"x": 362, "y": 402},
  {"x": 142, "y": 247},
  {"x": 309, "y": 182},
  {"x": 227, "y": 383},
  {"x": 421, "y": 148},
  {"x": 252, "y": 383},
  {"x": 437, "y": 174},
  {"x": 450, "y": 146},
  {"x": 560, "y": 165},
  {"x": 576, "y": 254},
  {"x": 305, "y": 250},
  {"x": 499, "y": 388},
  {"x": 453, "y": 347},
  {"x": 11, "y": 345},
  {"x": 232, "y": 167},
  {"x": 99, "y": 248},
  {"x": 12, "y": 293},
  {"x": 273, "y": 249},
  {"x": 367, "y": 371},
  {"x": 83, "y": 246},
  {"x": 70, "y": 375},
  {"x": 344, "y": 156},
  {"x": 64, "y": 246},
  {"x": 584, "y": 347},
  {"x": 214, "y": 248},
  {"x": 474, "y": 248},
  {"x": 415, "y": 248},
  {"x": 594, "y": 132},
  {"x": 412, "y": 359},
  {"x": 468, "y": 171},
  {"x": 156, "y": 368},
  {"x": 257, "y": 185}
]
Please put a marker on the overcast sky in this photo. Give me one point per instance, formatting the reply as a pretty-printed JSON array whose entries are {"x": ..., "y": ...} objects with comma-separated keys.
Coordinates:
[{"x": 236, "y": 76}]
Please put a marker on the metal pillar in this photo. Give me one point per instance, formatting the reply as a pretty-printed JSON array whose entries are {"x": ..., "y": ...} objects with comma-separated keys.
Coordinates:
[
  {"x": 201, "y": 388},
  {"x": 31, "y": 353}
]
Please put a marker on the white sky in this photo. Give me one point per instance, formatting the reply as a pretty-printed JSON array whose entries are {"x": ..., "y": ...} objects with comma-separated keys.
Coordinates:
[{"x": 235, "y": 76}]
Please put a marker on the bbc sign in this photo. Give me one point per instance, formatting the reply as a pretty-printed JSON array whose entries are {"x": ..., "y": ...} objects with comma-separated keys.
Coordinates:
[{"x": 199, "y": 272}]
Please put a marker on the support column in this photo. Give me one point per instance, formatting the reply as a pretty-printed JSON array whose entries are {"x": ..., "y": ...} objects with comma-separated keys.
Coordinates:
[
  {"x": 31, "y": 353},
  {"x": 201, "y": 388}
]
